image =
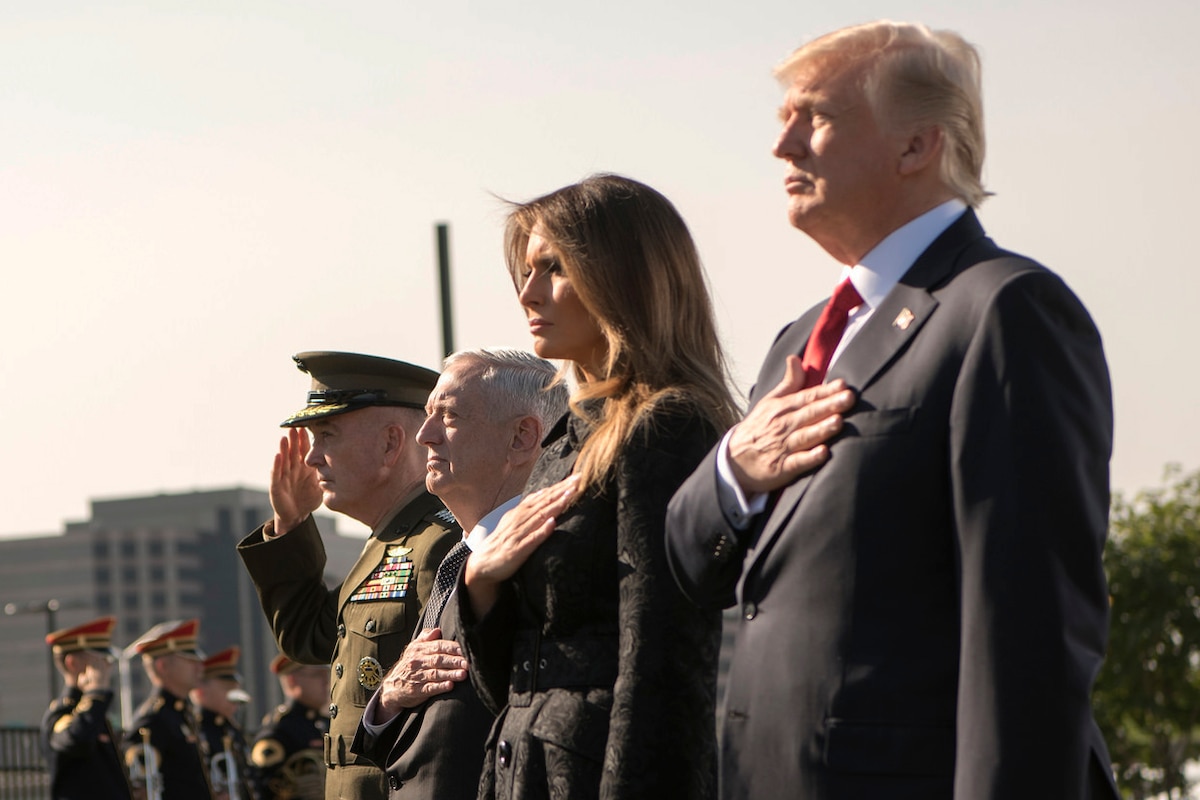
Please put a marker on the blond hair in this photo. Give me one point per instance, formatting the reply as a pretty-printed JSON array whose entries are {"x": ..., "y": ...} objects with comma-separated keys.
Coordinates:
[
  {"x": 913, "y": 78},
  {"x": 632, "y": 262}
]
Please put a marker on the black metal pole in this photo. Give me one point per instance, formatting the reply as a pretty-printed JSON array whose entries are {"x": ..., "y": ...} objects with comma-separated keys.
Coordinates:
[
  {"x": 443, "y": 244},
  {"x": 51, "y": 627}
]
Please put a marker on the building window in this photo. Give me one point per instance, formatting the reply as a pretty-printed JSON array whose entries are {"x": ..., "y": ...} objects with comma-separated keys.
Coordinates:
[
  {"x": 103, "y": 576},
  {"x": 131, "y": 600},
  {"x": 158, "y": 574},
  {"x": 100, "y": 548},
  {"x": 129, "y": 574},
  {"x": 128, "y": 548},
  {"x": 158, "y": 601},
  {"x": 154, "y": 548},
  {"x": 103, "y": 603}
]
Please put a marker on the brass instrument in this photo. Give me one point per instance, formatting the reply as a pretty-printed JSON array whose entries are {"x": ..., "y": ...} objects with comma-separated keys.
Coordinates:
[
  {"x": 149, "y": 767},
  {"x": 302, "y": 777}
]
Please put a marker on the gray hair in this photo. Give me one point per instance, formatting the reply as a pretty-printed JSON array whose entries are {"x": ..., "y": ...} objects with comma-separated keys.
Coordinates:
[{"x": 517, "y": 382}]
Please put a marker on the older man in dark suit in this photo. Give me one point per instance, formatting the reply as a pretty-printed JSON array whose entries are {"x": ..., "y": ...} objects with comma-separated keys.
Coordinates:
[
  {"x": 483, "y": 430},
  {"x": 912, "y": 515}
]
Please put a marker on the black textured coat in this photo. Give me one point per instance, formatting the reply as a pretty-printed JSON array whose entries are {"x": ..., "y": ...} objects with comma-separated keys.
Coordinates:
[
  {"x": 80, "y": 751},
  {"x": 605, "y": 673}
]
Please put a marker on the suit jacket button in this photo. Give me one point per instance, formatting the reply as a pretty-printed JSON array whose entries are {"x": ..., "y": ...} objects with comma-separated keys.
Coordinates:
[
  {"x": 394, "y": 782},
  {"x": 505, "y": 750},
  {"x": 749, "y": 610}
]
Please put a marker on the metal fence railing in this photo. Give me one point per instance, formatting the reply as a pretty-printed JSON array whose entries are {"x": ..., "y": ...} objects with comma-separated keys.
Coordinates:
[{"x": 23, "y": 774}]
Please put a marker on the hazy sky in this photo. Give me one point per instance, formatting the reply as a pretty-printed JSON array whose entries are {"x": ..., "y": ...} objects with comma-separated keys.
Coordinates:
[{"x": 192, "y": 192}]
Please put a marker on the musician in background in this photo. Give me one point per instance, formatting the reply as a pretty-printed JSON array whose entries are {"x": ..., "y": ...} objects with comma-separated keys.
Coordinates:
[
  {"x": 166, "y": 756},
  {"x": 219, "y": 697},
  {"x": 287, "y": 762},
  {"x": 76, "y": 735}
]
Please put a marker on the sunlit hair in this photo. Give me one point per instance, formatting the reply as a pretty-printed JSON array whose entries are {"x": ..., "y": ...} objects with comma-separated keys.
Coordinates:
[
  {"x": 913, "y": 78},
  {"x": 515, "y": 383},
  {"x": 633, "y": 264}
]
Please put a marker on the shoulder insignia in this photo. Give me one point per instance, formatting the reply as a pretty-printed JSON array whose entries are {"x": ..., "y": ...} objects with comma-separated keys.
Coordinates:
[
  {"x": 63, "y": 723},
  {"x": 267, "y": 753}
]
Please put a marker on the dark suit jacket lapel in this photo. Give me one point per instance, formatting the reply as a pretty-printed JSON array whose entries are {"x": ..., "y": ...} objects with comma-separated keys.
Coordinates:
[{"x": 891, "y": 327}]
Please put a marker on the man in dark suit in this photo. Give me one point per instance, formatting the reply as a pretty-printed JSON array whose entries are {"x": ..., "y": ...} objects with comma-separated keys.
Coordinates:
[
  {"x": 913, "y": 536},
  {"x": 81, "y": 753},
  {"x": 361, "y": 461},
  {"x": 484, "y": 425}
]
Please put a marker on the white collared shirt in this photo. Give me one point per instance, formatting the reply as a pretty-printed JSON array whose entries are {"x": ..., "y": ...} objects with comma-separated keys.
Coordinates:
[{"x": 873, "y": 278}]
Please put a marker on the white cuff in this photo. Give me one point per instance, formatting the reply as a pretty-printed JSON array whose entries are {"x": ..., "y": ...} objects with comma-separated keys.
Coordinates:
[{"x": 739, "y": 508}]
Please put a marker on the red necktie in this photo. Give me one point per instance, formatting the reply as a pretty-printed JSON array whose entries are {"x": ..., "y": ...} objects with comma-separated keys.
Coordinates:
[{"x": 828, "y": 333}]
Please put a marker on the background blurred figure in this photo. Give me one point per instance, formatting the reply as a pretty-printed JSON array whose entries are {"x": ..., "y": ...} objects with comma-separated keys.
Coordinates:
[
  {"x": 363, "y": 461},
  {"x": 80, "y": 749},
  {"x": 163, "y": 743},
  {"x": 287, "y": 758},
  {"x": 604, "y": 674},
  {"x": 219, "y": 699},
  {"x": 484, "y": 425}
]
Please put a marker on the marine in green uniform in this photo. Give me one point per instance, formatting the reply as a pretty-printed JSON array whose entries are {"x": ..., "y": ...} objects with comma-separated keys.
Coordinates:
[
  {"x": 287, "y": 759},
  {"x": 362, "y": 460},
  {"x": 80, "y": 751}
]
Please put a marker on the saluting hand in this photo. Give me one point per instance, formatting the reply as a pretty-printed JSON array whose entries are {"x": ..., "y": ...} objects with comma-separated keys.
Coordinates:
[
  {"x": 784, "y": 435},
  {"x": 295, "y": 490},
  {"x": 520, "y": 531},
  {"x": 429, "y": 666}
]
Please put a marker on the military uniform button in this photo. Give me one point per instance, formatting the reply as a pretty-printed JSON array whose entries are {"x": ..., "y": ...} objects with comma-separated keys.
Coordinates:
[
  {"x": 750, "y": 610},
  {"x": 341, "y": 630},
  {"x": 337, "y": 670},
  {"x": 527, "y": 666},
  {"x": 394, "y": 782},
  {"x": 370, "y": 626},
  {"x": 541, "y": 663},
  {"x": 505, "y": 751},
  {"x": 333, "y": 710}
]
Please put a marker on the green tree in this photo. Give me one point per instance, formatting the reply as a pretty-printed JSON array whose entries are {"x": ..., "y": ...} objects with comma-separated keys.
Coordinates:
[{"x": 1147, "y": 697}]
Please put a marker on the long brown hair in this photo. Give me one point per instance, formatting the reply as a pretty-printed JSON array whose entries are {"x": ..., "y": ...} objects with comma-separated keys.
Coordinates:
[{"x": 630, "y": 258}]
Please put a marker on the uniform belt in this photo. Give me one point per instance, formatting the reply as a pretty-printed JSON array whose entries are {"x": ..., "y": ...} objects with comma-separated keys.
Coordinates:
[
  {"x": 337, "y": 752},
  {"x": 582, "y": 660}
]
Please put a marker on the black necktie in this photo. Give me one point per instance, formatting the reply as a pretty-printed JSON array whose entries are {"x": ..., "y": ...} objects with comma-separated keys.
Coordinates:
[{"x": 443, "y": 585}]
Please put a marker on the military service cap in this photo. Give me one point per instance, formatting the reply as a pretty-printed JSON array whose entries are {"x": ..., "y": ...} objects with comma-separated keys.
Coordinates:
[
  {"x": 166, "y": 638},
  {"x": 223, "y": 664},
  {"x": 94, "y": 635},
  {"x": 344, "y": 382}
]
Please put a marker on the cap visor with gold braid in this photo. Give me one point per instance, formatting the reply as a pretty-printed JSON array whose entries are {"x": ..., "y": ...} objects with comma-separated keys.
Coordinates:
[{"x": 343, "y": 382}]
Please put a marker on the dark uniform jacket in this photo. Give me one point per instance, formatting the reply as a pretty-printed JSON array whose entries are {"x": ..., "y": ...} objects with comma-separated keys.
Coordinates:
[
  {"x": 603, "y": 673},
  {"x": 214, "y": 728},
  {"x": 80, "y": 751},
  {"x": 178, "y": 747},
  {"x": 362, "y": 626},
  {"x": 288, "y": 758},
  {"x": 922, "y": 616},
  {"x": 435, "y": 750}
]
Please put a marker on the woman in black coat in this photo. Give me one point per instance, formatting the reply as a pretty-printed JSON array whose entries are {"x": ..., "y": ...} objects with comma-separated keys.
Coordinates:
[{"x": 603, "y": 674}]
